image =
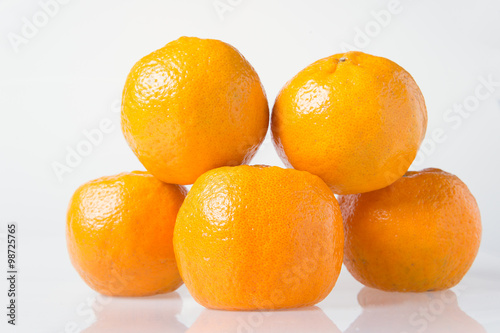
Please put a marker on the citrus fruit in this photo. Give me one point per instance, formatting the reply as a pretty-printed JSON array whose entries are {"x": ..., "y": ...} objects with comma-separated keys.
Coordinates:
[
  {"x": 256, "y": 237},
  {"x": 354, "y": 119},
  {"x": 119, "y": 234},
  {"x": 421, "y": 233},
  {"x": 191, "y": 106}
]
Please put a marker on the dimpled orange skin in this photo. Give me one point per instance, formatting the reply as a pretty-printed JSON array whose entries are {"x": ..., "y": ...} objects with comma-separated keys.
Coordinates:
[
  {"x": 191, "y": 106},
  {"x": 354, "y": 119},
  {"x": 119, "y": 234},
  {"x": 419, "y": 234},
  {"x": 256, "y": 237}
]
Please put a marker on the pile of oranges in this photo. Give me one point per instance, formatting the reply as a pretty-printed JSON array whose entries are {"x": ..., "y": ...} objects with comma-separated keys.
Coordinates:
[{"x": 260, "y": 237}]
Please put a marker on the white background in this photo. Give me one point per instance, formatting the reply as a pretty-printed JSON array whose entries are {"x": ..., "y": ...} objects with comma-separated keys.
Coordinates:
[{"x": 65, "y": 76}]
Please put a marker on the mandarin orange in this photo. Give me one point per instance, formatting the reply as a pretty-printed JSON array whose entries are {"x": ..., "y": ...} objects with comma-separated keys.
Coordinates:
[
  {"x": 119, "y": 234},
  {"x": 256, "y": 237},
  {"x": 354, "y": 119},
  {"x": 421, "y": 233},
  {"x": 191, "y": 106}
]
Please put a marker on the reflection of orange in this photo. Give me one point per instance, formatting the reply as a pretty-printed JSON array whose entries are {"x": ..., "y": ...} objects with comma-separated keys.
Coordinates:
[
  {"x": 353, "y": 119},
  {"x": 191, "y": 106},
  {"x": 119, "y": 234},
  {"x": 156, "y": 314},
  {"x": 392, "y": 312},
  {"x": 420, "y": 233},
  {"x": 255, "y": 237},
  {"x": 311, "y": 319}
]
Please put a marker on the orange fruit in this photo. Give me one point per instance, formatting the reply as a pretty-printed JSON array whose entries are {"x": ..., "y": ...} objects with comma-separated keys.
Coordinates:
[
  {"x": 191, "y": 106},
  {"x": 256, "y": 237},
  {"x": 421, "y": 233},
  {"x": 119, "y": 234},
  {"x": 353, "y": 119}
]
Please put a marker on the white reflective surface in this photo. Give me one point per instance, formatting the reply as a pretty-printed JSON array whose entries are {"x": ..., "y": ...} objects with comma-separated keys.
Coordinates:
[
  {"x": 65, "y": 80},
  {"x": 53, "y": 298}
]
